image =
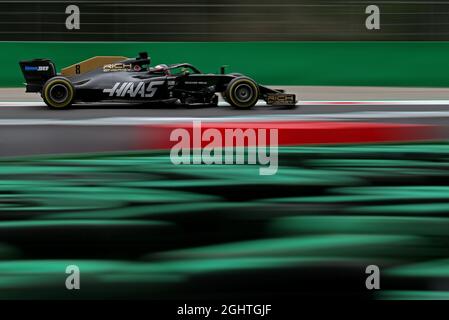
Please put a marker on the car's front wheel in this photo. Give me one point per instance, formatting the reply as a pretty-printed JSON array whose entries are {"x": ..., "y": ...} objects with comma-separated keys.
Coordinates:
[
  {"x": 58, "y": 93},
  {"x": 242, "y": 93}
]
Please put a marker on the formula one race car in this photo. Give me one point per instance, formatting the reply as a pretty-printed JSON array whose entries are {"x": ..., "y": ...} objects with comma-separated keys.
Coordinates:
[{"x": 120, "y": 79}]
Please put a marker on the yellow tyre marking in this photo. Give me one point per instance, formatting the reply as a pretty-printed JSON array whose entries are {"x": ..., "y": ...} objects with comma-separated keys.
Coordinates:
[
  {"x": 62, "y": 104},
  {"x": 248, "y": 82}
]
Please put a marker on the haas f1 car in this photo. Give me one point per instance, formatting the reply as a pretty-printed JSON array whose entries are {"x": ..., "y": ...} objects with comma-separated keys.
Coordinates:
[{"x": 121, "y": 79}]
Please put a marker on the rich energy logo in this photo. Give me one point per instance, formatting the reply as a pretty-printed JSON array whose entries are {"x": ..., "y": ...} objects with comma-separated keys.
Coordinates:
[
  {"x": 117, "y": 67},
  {"x": 113, "y": 67},
  {"x": 134, "y": 89}
]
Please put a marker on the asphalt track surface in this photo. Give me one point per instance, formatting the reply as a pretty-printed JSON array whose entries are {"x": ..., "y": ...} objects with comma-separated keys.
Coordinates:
[
  {"x": 433, "y": 114},
  {"x": 27, "y": 127},
  {"x": 401, "y": 105}
]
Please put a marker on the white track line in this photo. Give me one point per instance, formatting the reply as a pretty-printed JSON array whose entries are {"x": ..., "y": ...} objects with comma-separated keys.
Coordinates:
[
  {"x": 131, "y": 121},
  {"x": 376, "y": 103},
  {"x": 15, "y": 104}
]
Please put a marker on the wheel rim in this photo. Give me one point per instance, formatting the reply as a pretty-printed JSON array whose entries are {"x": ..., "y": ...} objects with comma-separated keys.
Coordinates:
[
  {"x": 59, "y": 93},
  {"x": 244, "y": 93}
]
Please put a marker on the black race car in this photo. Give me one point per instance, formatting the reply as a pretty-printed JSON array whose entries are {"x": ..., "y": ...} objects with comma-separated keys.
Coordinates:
[{"x": 120, "y": 79}]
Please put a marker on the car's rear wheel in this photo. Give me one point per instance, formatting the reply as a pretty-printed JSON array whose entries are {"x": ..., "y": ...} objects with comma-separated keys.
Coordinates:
[
  {"x": 58, "y": 93},
  {"x": 242, "y": 93}
]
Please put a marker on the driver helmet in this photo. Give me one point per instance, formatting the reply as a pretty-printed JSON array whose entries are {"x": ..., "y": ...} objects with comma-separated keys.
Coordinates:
[{"x": 161, "y": 68}]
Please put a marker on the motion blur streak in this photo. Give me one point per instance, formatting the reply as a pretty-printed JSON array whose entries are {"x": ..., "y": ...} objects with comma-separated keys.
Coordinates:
[{"x": 139, "y": 227}]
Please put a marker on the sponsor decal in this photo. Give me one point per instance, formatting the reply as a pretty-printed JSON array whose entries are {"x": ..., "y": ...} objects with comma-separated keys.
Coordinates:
[
  {"x": 281, "y": 99},
  {"x": 134, "y": 89},
  {"x": 36, "y": 68},
  {"x": 116, "y": 67},
  {"x": 195, "y": 82}
]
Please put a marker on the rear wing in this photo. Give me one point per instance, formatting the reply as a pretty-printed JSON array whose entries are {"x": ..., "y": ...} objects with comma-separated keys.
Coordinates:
[{"x": 36, "y": 72}]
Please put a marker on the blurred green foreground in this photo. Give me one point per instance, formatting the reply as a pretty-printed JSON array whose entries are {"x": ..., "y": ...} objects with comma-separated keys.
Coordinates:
[{"x": 139, "y": 227}]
